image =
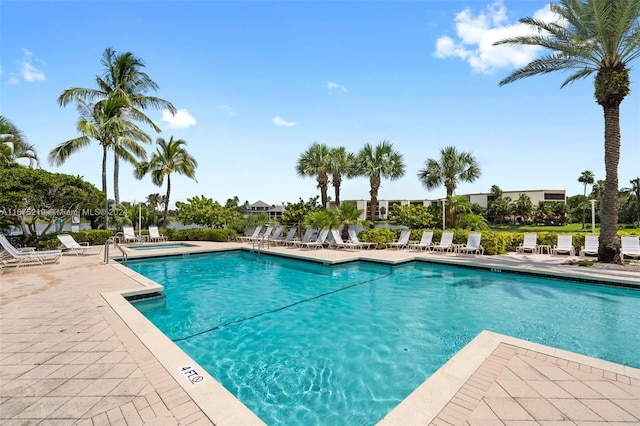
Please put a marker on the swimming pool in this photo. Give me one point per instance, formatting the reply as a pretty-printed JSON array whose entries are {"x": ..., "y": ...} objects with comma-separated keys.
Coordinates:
[{"x": 302, "y": 343}]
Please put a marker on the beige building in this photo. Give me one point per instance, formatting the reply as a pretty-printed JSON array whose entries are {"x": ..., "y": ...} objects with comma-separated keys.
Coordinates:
[{"x": 482, "y": 199}]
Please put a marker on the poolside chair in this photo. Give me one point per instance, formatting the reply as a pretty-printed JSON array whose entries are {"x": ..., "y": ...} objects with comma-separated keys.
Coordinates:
[
  {"x": 155, "y": 235},
  {"x": 565, "y": 245},
  {"x": 403, "y": 240},
  {"x": 446, "y": 242},
  {"x": 72, "y": 245},
  {"x": 276, "y": 235},
  {"x": 252, "y": 236},
  {"x": 473, "y": 245},
  {"x": 591, "y": 243},
  {"x": 630, "y": 247},
  {"x": 339, "y": 243},
  {"x": 530, "y": 243},
  {"x": 305, "y": 238},
  {"x": 318, "y": 243},
  {"x": 287, "y": 239},
  {"x": 13, "y": 257},
  {"x": 353, "y": 237},
  {"x": 128, "y": 235},
  {"x": 425, "y": 243}
]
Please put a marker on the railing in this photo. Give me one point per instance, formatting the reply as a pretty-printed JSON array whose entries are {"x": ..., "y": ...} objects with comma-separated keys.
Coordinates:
[{"x": 106, "y": 250}]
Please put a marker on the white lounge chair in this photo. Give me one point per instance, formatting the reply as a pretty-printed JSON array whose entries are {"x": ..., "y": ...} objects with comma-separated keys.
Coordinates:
[
  {"x": 252, "y": 236},
  {"x": 305, "y": 238},
  {"x": 473, "y": 245},
  {"x": 275, "y": 235},
  {"x": 591, "y": 244},
  {"x": 426, "y": 242},
  {"x": 72, "y": 245},
  {"x": 530, "y": 243},
  {"x": 630, "y": 246},
  {"x": 339, "y": 243},
  {"x": 13, "y": 257},
  {"x": 128, "y": 235},
  {"x": 446, "y": 242},
  {"x": 403, "y": 240},
  {"x": 155, "y": 235},
  {"x": 353, "y": 237},
  {"x": 288, "y": 238},
  {"x": 318, "y": 243},
  {"x": 565, "y": 245}
]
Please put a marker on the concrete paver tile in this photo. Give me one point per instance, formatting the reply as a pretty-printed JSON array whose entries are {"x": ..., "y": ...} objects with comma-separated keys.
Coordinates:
[
  {"x": 116, "y": 418},
  {"x": 100, "y": 420},
  {"x": 631, "y": 406},
  {"x": 14, "y": 406},
  {"x": 42, "y": 408},
  {"x": 100, "y": 387},
  {"x": 610, "y": 411},
  {"x": 575, "y": 410},
  {"x": 108, "y": 403},
  {"x": 71, "y": 387},
  {"x": 482, "y": 413},
  {"x": 578, "y": 389},
  {"x": 76, "y": 407},
  {"x": 129, "y": 387},
  {"x": 67, "y": 371},
  {"x": 540, "y": 409},
  {"x": 548, "y": 389},
  {"x": 10, "y": 388},
  {"x": 130, "y": 414},
  {"x": 41, "y": 387},
  {"x": 609, "y": 390},
  {"x": 39, "y": 371},
  {"x": 518, "y": 389},
  {"x": 507, "y": 409},
  {"x": 94, "y": 371}
]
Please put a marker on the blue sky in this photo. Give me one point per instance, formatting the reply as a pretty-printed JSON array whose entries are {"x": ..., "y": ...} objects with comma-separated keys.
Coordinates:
[{"x": 258, "y": 82}]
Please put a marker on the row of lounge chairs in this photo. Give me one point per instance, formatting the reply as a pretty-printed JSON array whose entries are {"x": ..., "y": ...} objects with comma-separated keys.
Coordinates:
[
  {"x": 271, "y": 236},
  {"x": 445, "y": 245},
  {"x": 630, "y": 245}
]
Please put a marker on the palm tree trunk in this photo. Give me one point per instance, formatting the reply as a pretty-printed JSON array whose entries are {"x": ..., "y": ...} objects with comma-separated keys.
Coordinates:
[
  {"x": 337, "y": 181},
  {"x": 116, "y": 183},
  {"x": 166, "y": 204},
  {"x": 375, "y": 186},
  {"x": 584, "y": 206},
  {"x": 322, "y": 184},
  {"x": 104, "y": 186},
  {"x": 609, "y": 248}
]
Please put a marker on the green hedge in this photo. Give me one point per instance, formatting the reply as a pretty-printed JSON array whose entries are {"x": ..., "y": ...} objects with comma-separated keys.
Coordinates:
[
  {"x": 203, "y": 234},
  {"x": 379, "y": 235}
]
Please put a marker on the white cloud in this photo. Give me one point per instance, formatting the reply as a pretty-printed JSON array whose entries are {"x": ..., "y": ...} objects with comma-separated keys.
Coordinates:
[
  {"x": 280, "y": 122},
  {"x": 180, "y": 120},
  {"x": 229, "y": 110},
  {"x": 332, "y": 85},
  {"x": 27, "y": 71},
  {"x": 475, "y": 35}
]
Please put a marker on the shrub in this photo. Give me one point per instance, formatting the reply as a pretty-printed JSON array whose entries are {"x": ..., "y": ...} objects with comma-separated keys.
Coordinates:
[
  {"x": 381, "y": 236},
  {"x": 203, "y": 234}
]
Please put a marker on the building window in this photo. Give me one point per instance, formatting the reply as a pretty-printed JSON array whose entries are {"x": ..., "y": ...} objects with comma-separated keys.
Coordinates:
[{"x": 549, "y": 196}]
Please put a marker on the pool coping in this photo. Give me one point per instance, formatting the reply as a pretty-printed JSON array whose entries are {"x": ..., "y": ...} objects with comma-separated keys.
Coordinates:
[{"x": 422, "y": 405}]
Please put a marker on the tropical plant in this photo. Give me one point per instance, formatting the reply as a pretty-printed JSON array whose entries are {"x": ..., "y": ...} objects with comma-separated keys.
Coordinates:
[
  {"x": 316, "y": 162},
  {"x": 378, "y": 162},
  {"x": 347, "y": 214},
  {"x": 632, "y": 199},
  {"x": 589, "y": 37},
  {"x": 586, "y": 178},
  {"x": 203, "y": 211},
  {"x": 322, "y": 219},
  {"x": 523, "y": 207},
  {"x": 597, "y": 190},
  {"x": 122, "y": 77},
  {"x": 104, "y": 122},
  {"x": 170, "y": 157},
  {"x": 450, "y": 169},
  {"x": 412, "y": 216},
  {"x": 341, "y": 163},
  {"x": 14, "y": 145}
]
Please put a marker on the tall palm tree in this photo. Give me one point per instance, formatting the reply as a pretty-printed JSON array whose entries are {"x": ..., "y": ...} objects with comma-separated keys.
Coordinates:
[
  {"x": 14, "y": 145},
  {"x": 170, "y": 157},
  {"x": 122, "y": 76},
  {"x": 598, "y": 37},
  {"x": 315, "y": 162},
  {"x": 341, "y": 163},
  {"x": 102, "y": 122},
  {"x": 587, "y": 178},
  {"x": 450, "y": 169},
  {"x": 634, "y": 195},
  {"x": 378, "y": 162}
]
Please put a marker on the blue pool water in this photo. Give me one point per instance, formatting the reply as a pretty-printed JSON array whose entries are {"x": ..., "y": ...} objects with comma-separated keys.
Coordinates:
[{"x": 302, "y": 343}]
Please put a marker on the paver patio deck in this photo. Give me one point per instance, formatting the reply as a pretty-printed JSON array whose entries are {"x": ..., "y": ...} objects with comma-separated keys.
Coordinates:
[{"x": 67, "y": 356}]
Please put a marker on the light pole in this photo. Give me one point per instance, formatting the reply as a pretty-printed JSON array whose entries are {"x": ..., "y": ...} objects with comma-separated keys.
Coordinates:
[
  {"x": 444, "y": 214},
  {"x": 140, "y": 220},
  {"x": 593, "y": 216}
]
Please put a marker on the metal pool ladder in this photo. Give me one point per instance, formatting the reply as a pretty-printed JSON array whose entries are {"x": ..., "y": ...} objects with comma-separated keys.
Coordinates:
[{"x": 115, "y": 243}]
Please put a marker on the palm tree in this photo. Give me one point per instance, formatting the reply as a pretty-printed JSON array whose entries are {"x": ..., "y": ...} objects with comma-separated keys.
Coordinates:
[
  {"x": 347, "y": 214},
  {"x": 597, "y": 190},
  {"x": 122, "y": 77},
  {"x": 452, "y": 168},
  {"x": 103, "y": 122},
  {"x": 634, "y": 196},
  {"x": 593, "y": 36},
  {"x": 14, "y": 145},
  {"x": 376, "y": 163},
  {"x": 587, "y": 178},
  {"x": 341, "y": 163},
  {"x": 315, "y": 162},
  {"x": 169, "y": 157}
]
